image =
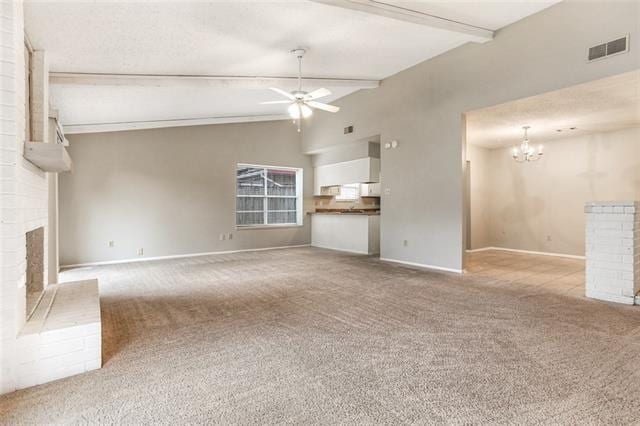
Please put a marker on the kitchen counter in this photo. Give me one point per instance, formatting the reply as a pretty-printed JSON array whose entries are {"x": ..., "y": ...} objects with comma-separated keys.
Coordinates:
[
  {"x": 351, "y": 232},
  {"x": 372, "y": 213}
]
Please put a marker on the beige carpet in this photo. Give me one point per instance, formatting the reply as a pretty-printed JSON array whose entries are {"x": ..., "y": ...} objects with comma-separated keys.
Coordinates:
[{"x": 313, "y": 336}]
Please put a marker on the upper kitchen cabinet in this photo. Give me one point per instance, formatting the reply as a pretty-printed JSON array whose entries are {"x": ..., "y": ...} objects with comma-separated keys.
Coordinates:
[
  {"x": 362, "y": 170},
  {"x": 370, "y": 189}
]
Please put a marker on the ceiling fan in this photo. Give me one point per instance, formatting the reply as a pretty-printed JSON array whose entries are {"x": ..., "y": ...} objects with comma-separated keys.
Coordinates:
[{"x": 301, "y": 102}]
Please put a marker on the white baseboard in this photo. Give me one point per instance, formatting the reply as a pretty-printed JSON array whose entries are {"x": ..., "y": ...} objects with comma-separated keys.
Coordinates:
[
  {"x": 422, "y": 265},
  {"x": 341, "y": 249},
  {"x": 175, "y": 256},
  {"x": 541, "y": 253}
]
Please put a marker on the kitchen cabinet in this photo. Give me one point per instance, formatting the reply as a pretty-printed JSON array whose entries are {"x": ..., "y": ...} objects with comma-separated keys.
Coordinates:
[
  {"x": 370, "y": 189},
  {"x": 362, "y": 170}
]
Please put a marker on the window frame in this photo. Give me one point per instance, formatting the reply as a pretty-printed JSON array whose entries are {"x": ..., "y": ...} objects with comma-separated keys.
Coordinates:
[{"x": 265, "y": 210}]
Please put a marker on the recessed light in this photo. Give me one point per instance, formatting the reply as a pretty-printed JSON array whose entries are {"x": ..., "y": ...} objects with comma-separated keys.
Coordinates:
[
  {"x": 558, "y": 130},
  {"x": 572, "y": 128}
]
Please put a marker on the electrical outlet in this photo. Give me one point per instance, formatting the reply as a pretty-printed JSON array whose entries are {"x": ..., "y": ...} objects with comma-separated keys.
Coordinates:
[
  {"x": 222, "y": 237},
  {"x": 387, "y": 191},
  {"x": 405, "y": 243},
  {"x": 111, "y": 243},
  {"x": 229, "y": 236},
  {"x": 140, "y": 251}
]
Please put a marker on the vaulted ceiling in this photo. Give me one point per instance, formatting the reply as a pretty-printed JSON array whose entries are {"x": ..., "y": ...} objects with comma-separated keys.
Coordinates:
[{"x": 147, "y": 48}]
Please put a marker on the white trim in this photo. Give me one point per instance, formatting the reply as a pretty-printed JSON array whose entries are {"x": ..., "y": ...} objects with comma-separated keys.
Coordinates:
[
  {"x": 176, "y": 256},
  {"x": 541, "y": 253},
  {"x": 422, "y": 265},
  {"x": 226, "y": 81},
  {"x": 71, "y": 129},
  {"x": 274, "y": 226},
  {"x": 608, "y": 297},
  {"x": 381, "y": 8},
  {"x": 341, "y": 249}
]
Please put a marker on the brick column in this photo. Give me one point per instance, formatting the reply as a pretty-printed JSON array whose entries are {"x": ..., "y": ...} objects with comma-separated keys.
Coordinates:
[{"x": 613, "y": 251}]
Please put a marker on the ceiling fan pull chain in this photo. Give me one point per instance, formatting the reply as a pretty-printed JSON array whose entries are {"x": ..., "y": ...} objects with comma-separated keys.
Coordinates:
[{"x": 300, "y": 73}]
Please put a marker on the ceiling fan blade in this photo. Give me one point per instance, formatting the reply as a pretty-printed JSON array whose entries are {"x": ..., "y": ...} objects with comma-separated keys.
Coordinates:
[
  {"x": 275, "y": 102},
  {"x": 283, "y": 93},
  {"x": 320, "y": 93},
  {"x": 324, "y": 107}
]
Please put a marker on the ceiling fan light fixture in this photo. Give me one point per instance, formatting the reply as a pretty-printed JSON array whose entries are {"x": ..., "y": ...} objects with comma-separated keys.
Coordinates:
[
  {"x": 306, "y": 111},
  {"x": 298, "y": 109},
  {"x": 303, "y": 103},
  {"x": 294, "y": 111}
]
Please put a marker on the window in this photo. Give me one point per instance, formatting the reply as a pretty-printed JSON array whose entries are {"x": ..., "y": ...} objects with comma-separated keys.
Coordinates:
[
  {"x": 268, "y": 196},
  {"x": 349, "y": 192}
]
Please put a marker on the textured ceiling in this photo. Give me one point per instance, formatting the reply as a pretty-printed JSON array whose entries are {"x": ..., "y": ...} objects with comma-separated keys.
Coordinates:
[
  {"x": 608, "y": 104},
  {"x": 236, "y": 38}
]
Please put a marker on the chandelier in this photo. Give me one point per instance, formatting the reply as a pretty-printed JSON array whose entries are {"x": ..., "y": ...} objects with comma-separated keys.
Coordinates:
[{"x": 525, "y": 153}]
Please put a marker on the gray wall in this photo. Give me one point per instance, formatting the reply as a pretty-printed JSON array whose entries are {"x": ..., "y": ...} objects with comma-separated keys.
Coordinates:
[
  {"x": 540, "y": 206},
  {"x": 170, "y": 191},
  {"x": 346, "y": 153},
  {"x": 422, "y": 108},
  {"x": 480, "y": 196}
]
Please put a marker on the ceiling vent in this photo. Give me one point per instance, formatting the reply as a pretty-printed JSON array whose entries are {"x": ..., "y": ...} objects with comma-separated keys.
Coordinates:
[{"x": 613, "y": 47}]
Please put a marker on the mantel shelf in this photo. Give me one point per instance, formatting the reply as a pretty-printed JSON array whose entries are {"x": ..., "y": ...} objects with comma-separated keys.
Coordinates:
[{"x": 50, "y": 157}]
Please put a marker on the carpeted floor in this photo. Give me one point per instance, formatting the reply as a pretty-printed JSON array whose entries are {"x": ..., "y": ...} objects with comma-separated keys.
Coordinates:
[{"x": 313, "y": 336}]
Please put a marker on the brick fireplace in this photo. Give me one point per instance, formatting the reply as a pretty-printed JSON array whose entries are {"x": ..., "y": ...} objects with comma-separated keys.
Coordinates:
[
  {"x": 47, "y": 331},
  {"x": 24, "y": 190}
]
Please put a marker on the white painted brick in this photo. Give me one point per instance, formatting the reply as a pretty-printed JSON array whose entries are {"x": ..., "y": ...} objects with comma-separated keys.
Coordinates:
[
  {"x": 603, "y": 273},
  {"x": 612, "y": 250},
  {"x": 93, "y": 341},
  {"x": 62, "y": 372},
  {"x": 27, "y": 380},
  {"x": 61, "y": 348},
  {"x": 63, "y": 334},
  {"x": 93, "y": 364},
  {"x": 66, "y": 359},
  {"x": 610, "y": 289}
]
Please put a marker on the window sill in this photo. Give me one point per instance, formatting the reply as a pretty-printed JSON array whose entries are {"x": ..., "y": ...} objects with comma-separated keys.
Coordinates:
[{"x": 250, "y": 227}]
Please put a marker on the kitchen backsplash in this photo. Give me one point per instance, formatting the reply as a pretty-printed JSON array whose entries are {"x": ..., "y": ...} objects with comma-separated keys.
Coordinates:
[{"x": 360, "y": 203}]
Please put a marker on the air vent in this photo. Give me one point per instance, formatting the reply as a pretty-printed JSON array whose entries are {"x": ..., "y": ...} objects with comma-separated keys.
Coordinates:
[
  {"x": 613, "y": 47},
  {"x": 348, "y": 130}
]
